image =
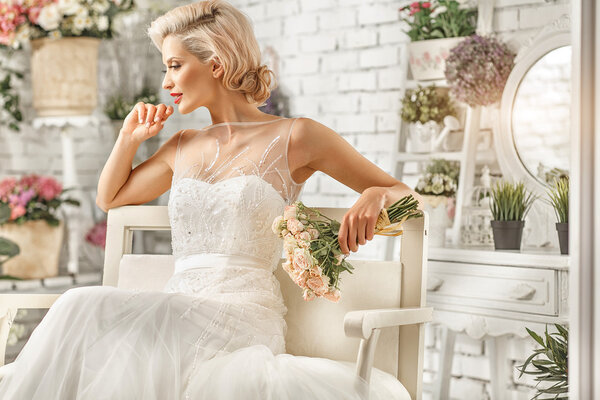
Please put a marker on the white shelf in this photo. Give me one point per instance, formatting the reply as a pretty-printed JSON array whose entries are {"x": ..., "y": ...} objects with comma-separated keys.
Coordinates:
[
  {"x": 412, "y": 84},
  {"x": 487, "y": 155}
]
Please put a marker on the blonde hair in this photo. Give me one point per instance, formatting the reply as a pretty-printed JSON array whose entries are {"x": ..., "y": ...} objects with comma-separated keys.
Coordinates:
[{"x": 215, "y": 28}]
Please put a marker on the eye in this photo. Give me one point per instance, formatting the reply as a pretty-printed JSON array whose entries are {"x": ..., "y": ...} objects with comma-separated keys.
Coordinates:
[{"x": 172, "y": 66}]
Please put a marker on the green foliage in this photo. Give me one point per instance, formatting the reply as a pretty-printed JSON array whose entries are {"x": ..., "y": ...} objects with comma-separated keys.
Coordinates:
[
  {"x": 9, "y": 98},
  {"x": 118, "y": 107},
  {"x": 510, "y": 201},
  {"x": 559, "y": 199},
  {"x": 552, "y": 365},
  {"x": 426, "y": 104},
  {"x": 438, "y": 19}
]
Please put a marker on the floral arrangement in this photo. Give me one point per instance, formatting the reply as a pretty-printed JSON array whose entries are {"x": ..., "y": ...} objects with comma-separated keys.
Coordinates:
[
  {"x": 118, "y": 107},
  {"x": 477, "y": 70},
  {"x": 24, "y": 20},
  {"x": 314, "y": 259},
  {"x": 426, "y": 104},
  {"x": 553, "y": 366},
  {"x": 32, "y": 198},
  {"x": 97, "y": 235},
  {"x": 439, "y": 19},
  {"x": 510, "y": 201},
  {"x": 559, "y": 199},
  {"x": 440, "y": 178}
]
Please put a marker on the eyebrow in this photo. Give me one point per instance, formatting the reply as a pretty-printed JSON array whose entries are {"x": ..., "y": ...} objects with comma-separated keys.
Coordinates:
[{"x": 170, "y": 59}]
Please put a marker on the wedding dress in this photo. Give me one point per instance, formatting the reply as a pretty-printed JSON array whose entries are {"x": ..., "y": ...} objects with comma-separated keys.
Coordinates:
[{"x": 217, "y": 330}]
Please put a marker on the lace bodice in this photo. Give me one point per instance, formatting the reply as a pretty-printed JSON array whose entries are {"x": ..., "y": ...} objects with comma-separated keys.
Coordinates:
[{"x": 230, "y": 181}]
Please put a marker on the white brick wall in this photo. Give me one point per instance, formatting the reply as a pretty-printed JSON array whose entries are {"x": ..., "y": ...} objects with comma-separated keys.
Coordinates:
[{"x": 340, "y": 65}]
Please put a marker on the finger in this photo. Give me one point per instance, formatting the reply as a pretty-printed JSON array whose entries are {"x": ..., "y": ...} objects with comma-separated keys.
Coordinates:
[
  {"x": 352, "y": 226},
  {"x": 371, "y": 228},
  {"x": 360, "y": 233},
  {"x": 160, "y": 113},
  {"x": 150, "y": 115},
  {"x": 141, "y": 112},
  {"x": 342, "y": 235},
  {"x": 169, "y": 111}
]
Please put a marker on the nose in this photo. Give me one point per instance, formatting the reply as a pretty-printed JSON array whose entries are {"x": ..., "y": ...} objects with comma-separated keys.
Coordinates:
[{"x": 167, "y": 83}]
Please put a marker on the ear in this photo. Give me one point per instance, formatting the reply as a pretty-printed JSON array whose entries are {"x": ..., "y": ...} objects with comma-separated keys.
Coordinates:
[{"x": 217, "y": 68}]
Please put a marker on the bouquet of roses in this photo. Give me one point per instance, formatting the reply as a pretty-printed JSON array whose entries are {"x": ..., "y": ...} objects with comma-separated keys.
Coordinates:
[{"x": 314, "y": 259}]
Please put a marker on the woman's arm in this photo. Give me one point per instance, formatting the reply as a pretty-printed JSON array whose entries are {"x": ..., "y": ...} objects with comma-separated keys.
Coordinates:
[{"x": 321, "y": 148}]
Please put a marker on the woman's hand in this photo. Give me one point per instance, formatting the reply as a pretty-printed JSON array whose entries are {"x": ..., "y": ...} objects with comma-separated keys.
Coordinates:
[
  {"x": 146, "y": 120},
  {"x": 358, "y": 225}
]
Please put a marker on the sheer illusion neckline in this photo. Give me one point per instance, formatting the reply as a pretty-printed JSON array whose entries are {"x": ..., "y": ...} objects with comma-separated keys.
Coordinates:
[{"x": 242, "y": 123}]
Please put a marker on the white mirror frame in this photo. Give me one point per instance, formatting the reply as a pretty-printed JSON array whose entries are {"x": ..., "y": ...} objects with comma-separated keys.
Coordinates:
[{"x": 552, "y": 37}]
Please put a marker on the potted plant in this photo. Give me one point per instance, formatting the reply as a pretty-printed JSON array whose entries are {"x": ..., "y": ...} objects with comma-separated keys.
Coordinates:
[
  {"x": 438, "y": 188},
  {"x": 550, "y": 362},
  {"x": 10, "y": 113},
  {"x": 64, "y": 38},
  {"x": 117, "y": 107},
  {"x": 510, "y": 204},
  {"x": 434, "y": 28},
  {"x": 424, "y": 109},
  {"x": 469, "y": 81},
  {"x": 31, "y": 203},
  {"x": 559, "y": 199}
]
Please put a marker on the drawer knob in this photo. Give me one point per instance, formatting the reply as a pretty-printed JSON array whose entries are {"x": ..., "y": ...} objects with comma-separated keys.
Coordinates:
[
  {"x": 522, "y": 292},
  {"x": 434, "y": 284}
]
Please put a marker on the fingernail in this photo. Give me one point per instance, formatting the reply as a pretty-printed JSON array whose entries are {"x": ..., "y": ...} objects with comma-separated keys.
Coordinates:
[
  {"x": 147, "y": 124},
  {"x": 141, "y": 120},
  {"x": 156, "y": 119}
]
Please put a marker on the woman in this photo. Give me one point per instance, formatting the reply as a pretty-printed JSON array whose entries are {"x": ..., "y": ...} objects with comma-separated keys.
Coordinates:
[{"x": 216, "y": 331}]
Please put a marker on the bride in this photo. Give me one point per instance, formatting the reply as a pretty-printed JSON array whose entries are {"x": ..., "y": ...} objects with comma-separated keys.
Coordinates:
[{"x": 217, "y": 330}]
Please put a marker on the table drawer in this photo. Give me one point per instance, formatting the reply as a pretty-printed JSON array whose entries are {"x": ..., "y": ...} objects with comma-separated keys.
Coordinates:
[{"x": 495, "y": 287}]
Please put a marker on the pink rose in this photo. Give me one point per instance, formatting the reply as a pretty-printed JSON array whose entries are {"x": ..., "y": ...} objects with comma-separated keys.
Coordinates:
[
  {"x": 314, "y": 233},
  {"x": 318, "y": 284},
  {"x": 289, "y": 212},
  {"x": 294, "y": 225},
  {"x": 426, "y": 4},
  {"x": 302, "y": 259},
  {"x": 300, "y": 277},
  {"x": 7, "y": 186},
  {"x": 97, "y": 235},
  {"x": 16, "y": 212},
  {"x": 48, "y": 188},
  {"x": 287, "y": 266},
  {"x": 332, "y": 295}
]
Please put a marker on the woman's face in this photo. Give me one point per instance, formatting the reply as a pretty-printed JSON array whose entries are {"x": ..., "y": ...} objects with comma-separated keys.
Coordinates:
[{"x": 185, "y": 74}]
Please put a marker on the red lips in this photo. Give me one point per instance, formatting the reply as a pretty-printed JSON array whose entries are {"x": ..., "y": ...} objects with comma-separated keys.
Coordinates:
[{"x": 177, "y": 97}]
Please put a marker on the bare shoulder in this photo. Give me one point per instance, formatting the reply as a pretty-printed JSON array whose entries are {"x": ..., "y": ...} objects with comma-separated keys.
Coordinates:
[
  {"x": 313, "y": 139},
  {"x": 166, "y": 152}
]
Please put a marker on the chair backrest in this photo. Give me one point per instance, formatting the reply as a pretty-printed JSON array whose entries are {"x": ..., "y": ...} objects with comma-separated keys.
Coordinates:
[{"x": 315, "y": 328}]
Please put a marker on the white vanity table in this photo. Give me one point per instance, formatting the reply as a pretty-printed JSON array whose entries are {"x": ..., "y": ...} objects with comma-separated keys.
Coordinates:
[{"x": 489, "y": 294}]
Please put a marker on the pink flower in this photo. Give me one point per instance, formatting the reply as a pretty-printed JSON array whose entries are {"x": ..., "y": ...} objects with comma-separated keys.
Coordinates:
[
  {"x": 426, "y": 5},
  {"x": 302, "y": 259},
  {"x": 332, "y": 295},
  {"x": 317, "y": 284},
  {"x": 48, "y": 188},
  {"x": 29, "y": 180},
  {"x": 34, "y": 13},
  {"x": 16, "y": 211},
  {"x": 289, "y": 212},
  {"x": 295, "y": 226},
  {"x": 426, "y": 56},
  {"x": 97, "y": 235},
  {"x": 7, "y": 186}
]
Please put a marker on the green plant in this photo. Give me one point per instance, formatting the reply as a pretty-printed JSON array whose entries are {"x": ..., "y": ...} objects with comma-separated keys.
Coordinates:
[
  {"x": 439, "y": 19},
  {"x": 553, "y": 367},
  {"x": 559, "y": 199},
  {"x": 9, "y": 98},
  {"x": 510, "y": 201},
  {"x": 8, "y": 248},
  {"x": 118, "y": 107},
  {"x": 426, "y": 104}
]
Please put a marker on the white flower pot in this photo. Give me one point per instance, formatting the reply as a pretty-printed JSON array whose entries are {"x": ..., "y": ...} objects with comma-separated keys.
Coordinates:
[
  {"x": 439, "y": 221},
  {"x": 422, "y": 136},
  {"x": 427, "y": 57}
]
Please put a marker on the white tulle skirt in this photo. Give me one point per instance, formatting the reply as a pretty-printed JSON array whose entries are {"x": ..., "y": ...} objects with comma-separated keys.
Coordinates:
[{"x": 213, "y": 333}]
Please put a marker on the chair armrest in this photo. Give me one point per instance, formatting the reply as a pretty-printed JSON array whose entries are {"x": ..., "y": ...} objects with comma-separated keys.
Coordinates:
[
  {"x": 361, "y": 323},
  {"x": 10, "y": 303}
]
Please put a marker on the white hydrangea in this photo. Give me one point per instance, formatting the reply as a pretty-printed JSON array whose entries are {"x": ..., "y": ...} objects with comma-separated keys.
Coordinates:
[
  {"x": 102, "y": 23},
  {"x": 68, "y": 7},
  {"x": 100, "y": 6}
]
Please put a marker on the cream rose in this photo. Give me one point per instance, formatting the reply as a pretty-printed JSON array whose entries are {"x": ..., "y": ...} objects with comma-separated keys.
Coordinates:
[
  {"x": 277, "y": 225},
  {"x": 49, "y": 17},
  {"x": 289, "y": 212},
  {"x": 302, "y": 258},
  {"x": 332, "y": 295},
  {"x": 317, "y": 284},
  {"x": 308, "y": 295},
  {"x": 295, "y": 226}
]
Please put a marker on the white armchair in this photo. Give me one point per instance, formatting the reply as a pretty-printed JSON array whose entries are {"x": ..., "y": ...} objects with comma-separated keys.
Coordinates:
[{"x": 381, "y": 312}]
